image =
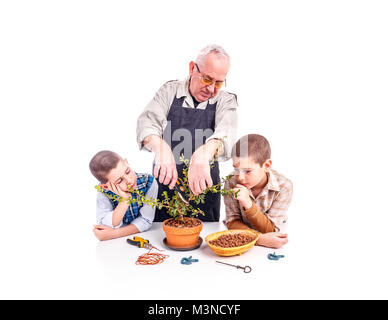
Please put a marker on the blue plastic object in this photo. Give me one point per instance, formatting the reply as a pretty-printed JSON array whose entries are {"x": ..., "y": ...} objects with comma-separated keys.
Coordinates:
[
  {"x": 274, "y": 256},
  {"x": 188, "y": 260}
]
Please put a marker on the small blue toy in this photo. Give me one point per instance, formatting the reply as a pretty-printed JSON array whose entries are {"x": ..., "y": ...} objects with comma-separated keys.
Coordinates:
[
  {"x": 188, "y": 260},
  {"x": 273, "y": 256}
]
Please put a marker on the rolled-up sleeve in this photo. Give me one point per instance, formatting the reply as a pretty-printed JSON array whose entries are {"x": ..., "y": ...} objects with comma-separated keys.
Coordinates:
[
  {"x": 226, "y": 124},
  {"x": 154, "y": 117},
  {"x": 104, "y": 211},
  {"x": 144, "y": 221}
]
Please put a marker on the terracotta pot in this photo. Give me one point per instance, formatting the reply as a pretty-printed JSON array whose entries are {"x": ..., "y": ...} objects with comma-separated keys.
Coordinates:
[{"x": 185, "y": 237}]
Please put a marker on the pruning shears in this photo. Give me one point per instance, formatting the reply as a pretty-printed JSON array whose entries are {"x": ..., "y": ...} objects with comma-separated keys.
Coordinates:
[
  {"x": 181, "y": 190},
  {"x": 139, "y": 242}
]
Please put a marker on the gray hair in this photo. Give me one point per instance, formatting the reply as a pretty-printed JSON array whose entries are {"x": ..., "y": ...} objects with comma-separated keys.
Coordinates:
[{"x": 212, "y": 48}]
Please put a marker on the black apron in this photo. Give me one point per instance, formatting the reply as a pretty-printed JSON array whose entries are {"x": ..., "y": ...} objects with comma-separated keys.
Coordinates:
[{"x": 188, "y": 120}]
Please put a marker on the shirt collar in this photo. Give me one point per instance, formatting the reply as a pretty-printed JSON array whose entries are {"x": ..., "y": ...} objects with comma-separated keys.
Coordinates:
[
  {"x": 272, "y": 185},
  {"x": 183, "y": 91},
  {"x": 183, "y": 88}
]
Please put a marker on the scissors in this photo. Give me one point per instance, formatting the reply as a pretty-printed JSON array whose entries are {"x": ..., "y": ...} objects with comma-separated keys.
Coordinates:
[
  {"x": 181, "y": 190},
  {"x": 246, "y": 269}
]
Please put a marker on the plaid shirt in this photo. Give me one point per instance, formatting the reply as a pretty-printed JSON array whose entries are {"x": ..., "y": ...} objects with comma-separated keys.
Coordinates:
[
  {"x": 273, "y": 200},
  {"x": 144, "y": 182}
]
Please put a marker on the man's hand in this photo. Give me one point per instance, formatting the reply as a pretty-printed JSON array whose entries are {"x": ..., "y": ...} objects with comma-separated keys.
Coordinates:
[
  {"x": 243, "y": 196},
  {"x": 272, "y": 240},
  {"x": 199, "y": 173},
  {"x": 199, "y": 177},
  {"x": 165, "y": 166}
]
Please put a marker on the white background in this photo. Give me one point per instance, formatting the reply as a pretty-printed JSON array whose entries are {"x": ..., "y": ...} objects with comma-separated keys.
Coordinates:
[{"x": 311, "y": 76}]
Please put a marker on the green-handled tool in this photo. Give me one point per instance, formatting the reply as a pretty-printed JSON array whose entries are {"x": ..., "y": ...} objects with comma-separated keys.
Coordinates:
[{"x": 140, "y": 242}]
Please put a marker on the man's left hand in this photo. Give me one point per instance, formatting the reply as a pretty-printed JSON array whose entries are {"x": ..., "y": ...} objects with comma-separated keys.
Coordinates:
[
  {"x": 199, "y": 170},
  {"x": 199, "y": 173}
]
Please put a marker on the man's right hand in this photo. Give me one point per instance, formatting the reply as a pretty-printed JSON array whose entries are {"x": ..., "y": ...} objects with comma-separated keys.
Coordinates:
[{"x": 165, "y": 167}]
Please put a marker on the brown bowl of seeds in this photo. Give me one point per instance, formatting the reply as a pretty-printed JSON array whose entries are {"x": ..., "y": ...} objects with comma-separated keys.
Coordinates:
[{"x": 231, "y": 242}]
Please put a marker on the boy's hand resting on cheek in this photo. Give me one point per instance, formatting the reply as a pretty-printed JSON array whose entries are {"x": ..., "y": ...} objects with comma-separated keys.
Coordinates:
[
  {"x": 243, "y": 196},
  {"x": 115, "y": 189},
  {"x": 272, "y": 240}
]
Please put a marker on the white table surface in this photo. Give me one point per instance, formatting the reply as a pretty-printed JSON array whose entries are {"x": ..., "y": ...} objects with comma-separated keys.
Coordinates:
[
  {"x": 117, "y": 256},
  {"x": 75, "y": 265}
]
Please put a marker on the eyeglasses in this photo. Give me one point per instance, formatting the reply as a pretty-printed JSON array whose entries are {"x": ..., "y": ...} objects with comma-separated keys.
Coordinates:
[{"x": 207, "y": 81}]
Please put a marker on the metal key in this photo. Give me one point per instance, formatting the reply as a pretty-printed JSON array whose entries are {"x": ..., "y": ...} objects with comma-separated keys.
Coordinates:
[{"x": 246, "y": 269}]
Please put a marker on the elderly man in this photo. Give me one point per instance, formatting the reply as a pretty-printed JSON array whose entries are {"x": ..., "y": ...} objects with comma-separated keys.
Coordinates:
[{"x": 196, "y": 118}]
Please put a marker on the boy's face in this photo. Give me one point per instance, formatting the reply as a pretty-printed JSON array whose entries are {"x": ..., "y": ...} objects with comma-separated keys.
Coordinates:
[
  {"x": 250, "y": 173},
  {"x": 122, "y": 176}
]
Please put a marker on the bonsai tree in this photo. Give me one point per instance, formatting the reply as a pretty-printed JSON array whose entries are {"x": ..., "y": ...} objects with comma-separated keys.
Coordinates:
[{"x": 176, "y": 206}]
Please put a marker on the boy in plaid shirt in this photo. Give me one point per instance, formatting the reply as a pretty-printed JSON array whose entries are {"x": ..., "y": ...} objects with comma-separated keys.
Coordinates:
[
  {"x": 264, "y": 194},
  {"x": 114, "y": 218}
]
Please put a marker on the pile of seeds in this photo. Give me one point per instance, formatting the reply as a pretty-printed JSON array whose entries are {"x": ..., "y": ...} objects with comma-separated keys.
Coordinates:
[
  {"x": 187, "y": 223},
  {"x": 232, "y": 240}
]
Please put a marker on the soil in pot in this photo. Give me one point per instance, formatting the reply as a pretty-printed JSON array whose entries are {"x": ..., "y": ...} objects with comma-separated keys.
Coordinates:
[{"x": 187, "y": 223}]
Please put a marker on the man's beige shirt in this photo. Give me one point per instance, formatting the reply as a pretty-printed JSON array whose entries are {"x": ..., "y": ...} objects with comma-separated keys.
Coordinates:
[
  {"x": 153, "y": 119},
  {"x": 273, "y": 200}
]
